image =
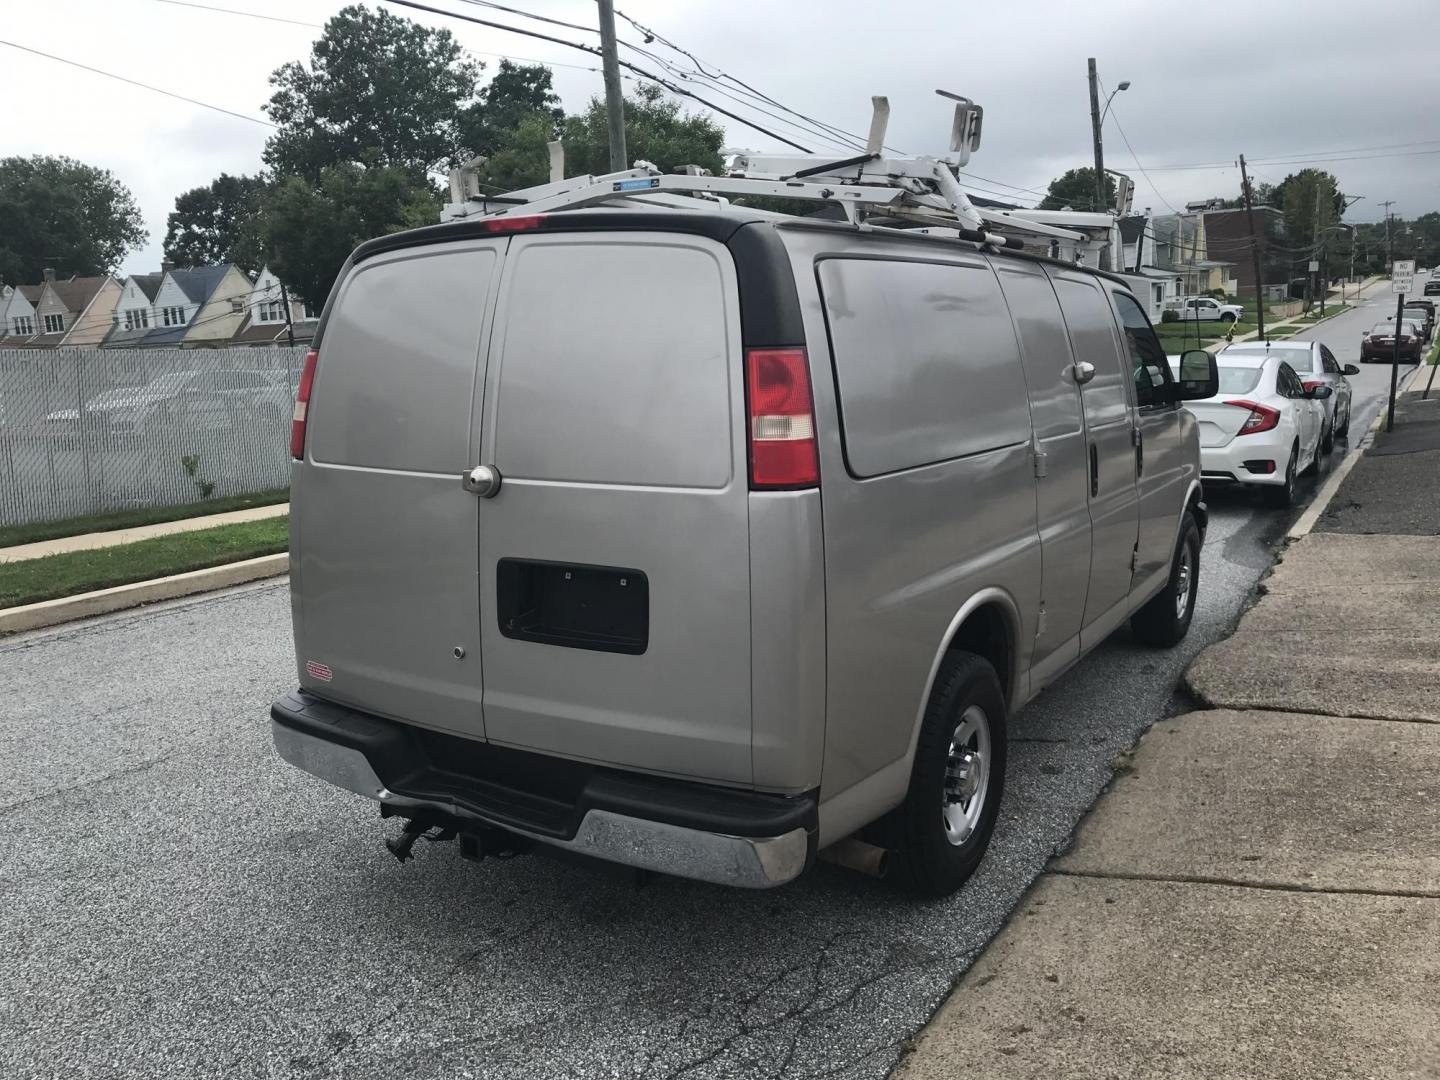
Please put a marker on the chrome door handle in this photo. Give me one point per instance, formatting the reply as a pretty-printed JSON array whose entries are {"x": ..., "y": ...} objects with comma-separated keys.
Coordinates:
[
  {"x": 1084, "y": 371},
  {"x": 482, "y": 480}
]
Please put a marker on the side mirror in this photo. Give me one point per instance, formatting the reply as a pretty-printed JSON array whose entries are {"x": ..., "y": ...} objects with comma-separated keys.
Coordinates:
[
  {"x": 1199, "y": 375},
  {"x": 1320, "y": 393},
  {"x": 1350, "y": 369}
]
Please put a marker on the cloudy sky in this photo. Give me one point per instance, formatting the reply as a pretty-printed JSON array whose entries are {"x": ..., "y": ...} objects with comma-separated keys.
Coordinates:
[{"x": 1278, "y": 81}]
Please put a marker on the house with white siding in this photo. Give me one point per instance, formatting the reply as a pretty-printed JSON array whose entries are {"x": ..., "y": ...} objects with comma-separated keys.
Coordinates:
[
  {"x": 266, "y": 313},
  {"x": 21, "y": 322},
  {"x": 199, "y": 307},
  {"x": 135, "y": 311}
]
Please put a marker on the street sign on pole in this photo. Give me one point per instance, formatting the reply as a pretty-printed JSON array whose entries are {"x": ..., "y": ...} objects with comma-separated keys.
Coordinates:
[
  {"x": 1314, "y": 265},
  {"x": 1402, "y": 275}
]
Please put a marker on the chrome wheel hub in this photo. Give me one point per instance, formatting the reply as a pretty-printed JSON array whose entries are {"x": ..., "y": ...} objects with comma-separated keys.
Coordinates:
[
  {"x": 1182, "y": 585},
  {"x": 967, "y": 775}
]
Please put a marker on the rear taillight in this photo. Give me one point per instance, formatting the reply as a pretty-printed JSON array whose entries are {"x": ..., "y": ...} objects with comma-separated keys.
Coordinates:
[
  {"x": 1312, "y": 384},
  {"x": 1261, "y": 418},
  {"x": 782, "y": 419},
  {"x": 302, "y": 405}
]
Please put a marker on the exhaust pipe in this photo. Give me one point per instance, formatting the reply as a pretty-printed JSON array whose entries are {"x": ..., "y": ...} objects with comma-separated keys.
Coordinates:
[{"x": 858, "y": 855}]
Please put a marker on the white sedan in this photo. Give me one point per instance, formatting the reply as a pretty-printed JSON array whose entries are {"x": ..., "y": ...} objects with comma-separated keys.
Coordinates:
[{"x": 1262, "y": 428}]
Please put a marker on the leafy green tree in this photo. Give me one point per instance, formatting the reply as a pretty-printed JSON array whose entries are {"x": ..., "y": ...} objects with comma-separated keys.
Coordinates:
[
  {"x": 519, "y": 95},
  {"x": 1312, "y": 203},
  {"x": 522, "y": 156},
  {"x": 656, "y": 130},
  {"x": 217, "y": 223},
  {"x": 1075, "y": 190},
  {"x": 379, "y": 90},
  {"x": 309, "y": 229},
  {"x": 60, "y": 213}
]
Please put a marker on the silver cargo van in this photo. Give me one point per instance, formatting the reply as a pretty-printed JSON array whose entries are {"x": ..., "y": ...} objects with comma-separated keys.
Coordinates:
[{"x": 703, "y": 541}]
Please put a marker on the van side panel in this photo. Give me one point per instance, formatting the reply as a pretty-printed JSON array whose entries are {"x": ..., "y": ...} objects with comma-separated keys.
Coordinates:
[
  {"x": 1062, "y": 493},
  {"x": 787, "y": 619},
  {"x": 906, "y": 549}
]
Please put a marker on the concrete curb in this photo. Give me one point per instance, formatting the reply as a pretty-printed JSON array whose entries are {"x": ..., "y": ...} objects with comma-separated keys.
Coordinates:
[{"x": 103, "y": 601}]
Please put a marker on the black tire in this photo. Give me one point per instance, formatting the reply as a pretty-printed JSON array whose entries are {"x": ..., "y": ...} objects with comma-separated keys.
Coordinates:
[
  {"x": 1344, "y": 431},
  {"x": 1327, "y": 441},
  {"x": 1282, "y": 498},
  {"x": 926, "y": 861},
  {"x": 1227, "y": 318},
  {"x": 1165, "y": 619}
]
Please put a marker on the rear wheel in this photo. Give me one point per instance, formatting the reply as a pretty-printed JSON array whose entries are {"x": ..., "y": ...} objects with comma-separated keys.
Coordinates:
[
  {"x": 1165, "y": 620},
  {"x": 939, "y": 834},
  {"x": 1343, "y": 431},
  {"x": 1327, "y": 441},
  {"x": 1284, "y": 496}
]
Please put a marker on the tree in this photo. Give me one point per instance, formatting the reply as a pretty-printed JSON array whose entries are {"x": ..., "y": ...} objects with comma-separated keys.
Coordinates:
[
  {"x": 217, "y": 223},
  {"x": 57, "y": 212},
  {"x": 519, "y": 94},
  {"x": 309, "y": 229},
  {"x": 656, "y": 130},
  {"x": 523, "y": 157},
  {"x": 1306, "y": 221},
  {"x": 1075, "y": 190},
  {"x": 380, "y": 90}
]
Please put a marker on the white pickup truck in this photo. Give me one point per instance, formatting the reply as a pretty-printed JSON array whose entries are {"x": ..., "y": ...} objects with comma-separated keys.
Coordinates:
[{"x": 1207, "y": 309}]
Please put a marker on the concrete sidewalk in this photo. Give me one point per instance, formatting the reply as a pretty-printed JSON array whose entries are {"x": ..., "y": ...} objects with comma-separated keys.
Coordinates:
[
  {"x": 115, "y": 537},
  {"x": 1258, "y": 892}
]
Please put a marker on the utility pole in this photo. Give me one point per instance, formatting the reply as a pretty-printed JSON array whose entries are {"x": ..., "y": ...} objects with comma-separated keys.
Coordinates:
[
  {"x": 1254, "y": 250},
  {"x": 1099, "y": 151},
  {"x": 289, "y": 326},
  {"x": 1389, "y": 250},
  {"x": 1314, "y": 250},
  {"x": 614, "y": 100}
]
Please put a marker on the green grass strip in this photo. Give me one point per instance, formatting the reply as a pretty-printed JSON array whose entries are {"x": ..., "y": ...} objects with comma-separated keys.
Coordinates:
[
  {"x": 33, "y": 580},
  {"x": 12, "y": 535}
]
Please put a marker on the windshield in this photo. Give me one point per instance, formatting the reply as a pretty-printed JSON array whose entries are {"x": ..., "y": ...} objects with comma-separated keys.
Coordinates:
[{"x": 1239, "y": 380}]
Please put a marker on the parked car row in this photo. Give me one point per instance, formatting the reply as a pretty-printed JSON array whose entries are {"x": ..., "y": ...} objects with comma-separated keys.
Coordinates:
[
  {"x": 210, "y": 398},
  {"x": 1280, "y": 408}
]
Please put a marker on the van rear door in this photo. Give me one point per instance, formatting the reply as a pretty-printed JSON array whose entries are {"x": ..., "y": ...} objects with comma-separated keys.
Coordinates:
[
  {"x": 383, "y": 536},
  {"x": 614, "y": 558}
]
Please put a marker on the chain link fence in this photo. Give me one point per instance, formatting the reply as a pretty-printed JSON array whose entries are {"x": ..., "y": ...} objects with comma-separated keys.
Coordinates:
[{"x": 85, "y": 431}]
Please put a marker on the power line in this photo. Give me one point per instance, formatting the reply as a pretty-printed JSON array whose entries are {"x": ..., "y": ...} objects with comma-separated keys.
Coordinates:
[
  {"x": 134, "y": 82},
  {"x": 623, "y": 63},
  {"x": 320, "y": 26},
  {"x": 1299, "y": 160},
  {"x": 1136, "y": 158},
  {"x": 246, "y": 14}
]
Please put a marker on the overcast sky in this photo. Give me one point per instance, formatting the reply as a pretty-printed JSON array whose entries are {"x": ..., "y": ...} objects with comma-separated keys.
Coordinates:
[{"x": 1272, "y": 80}]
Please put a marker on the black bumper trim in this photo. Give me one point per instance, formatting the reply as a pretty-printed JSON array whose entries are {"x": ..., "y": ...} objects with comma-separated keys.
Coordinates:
[{"x": 475, "y": 779}]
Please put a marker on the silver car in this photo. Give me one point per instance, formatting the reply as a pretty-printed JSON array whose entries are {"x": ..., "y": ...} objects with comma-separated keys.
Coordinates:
[
  {"x": 1316, "y": 365},
  {"x": 704, "y": 541}
]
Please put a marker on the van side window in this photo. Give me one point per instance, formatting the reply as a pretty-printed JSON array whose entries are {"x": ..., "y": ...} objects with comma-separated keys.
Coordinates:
[
  {"x": 926, "y": 362},
  {"x": 1148, "y": 363}
]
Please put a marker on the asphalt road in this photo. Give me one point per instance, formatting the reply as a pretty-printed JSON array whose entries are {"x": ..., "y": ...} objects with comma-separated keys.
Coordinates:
[{"x": 175, "y": 901}]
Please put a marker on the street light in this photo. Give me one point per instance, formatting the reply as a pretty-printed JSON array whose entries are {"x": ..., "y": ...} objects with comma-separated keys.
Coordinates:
[{"x": 1123, "y": 86}]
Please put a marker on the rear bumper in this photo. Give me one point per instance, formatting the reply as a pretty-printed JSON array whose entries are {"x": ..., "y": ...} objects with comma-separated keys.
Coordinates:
[
  {"x": 1228, "y": 464},
  {"x": 690, "y": 830}
]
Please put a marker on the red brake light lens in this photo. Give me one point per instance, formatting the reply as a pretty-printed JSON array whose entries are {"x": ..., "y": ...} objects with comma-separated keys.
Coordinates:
[
  {"x": 782, "y": 419},
  {"x": 520, "y": 223},
  {"x": 1312, "y": 384},
  {"x": 302, "y": 406},
  {"x": 1261, "y": 418}
]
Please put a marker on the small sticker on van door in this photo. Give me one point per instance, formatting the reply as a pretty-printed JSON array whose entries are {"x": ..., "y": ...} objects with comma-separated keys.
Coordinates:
[{"x": 317, "y": 670}]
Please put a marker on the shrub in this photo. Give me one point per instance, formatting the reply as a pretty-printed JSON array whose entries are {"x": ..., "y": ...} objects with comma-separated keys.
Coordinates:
[{"x": 1169, "y": 316}]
